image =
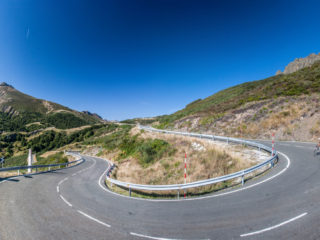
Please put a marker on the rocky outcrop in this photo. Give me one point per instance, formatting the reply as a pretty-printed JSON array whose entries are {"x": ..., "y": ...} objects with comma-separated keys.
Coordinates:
[
  {"x": 93, "y": 115},
  {"x": 3, "y": 84},
  {"x": 300, "y": 63}
]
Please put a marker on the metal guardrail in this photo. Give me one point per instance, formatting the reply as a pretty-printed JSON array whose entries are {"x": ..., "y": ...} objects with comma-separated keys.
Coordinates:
[
  {"x": 239, "y": 174},
  {"x": 49, "y": 167}
]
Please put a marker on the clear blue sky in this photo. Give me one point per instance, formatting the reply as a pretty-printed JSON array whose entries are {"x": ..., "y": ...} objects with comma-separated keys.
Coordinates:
[{"x": 125, "y": 59}]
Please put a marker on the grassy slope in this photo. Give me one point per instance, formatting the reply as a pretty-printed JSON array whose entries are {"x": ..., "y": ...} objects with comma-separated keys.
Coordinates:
[
  {"x": 209, "y": 161},
  {"x": 31, "y": 109},
  {"x": 305, "y": 81}
]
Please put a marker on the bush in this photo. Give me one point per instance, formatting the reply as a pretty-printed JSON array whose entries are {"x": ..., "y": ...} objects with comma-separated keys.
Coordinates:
[
  {"x": 16, "y": 161},
  {"x": 53, "y": 159},
  {"x": 152, "y": 150},
  {"x": 65, "y": 120}
]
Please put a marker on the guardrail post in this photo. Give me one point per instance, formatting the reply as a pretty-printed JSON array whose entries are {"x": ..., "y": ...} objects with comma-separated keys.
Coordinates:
[
  {"x": 178, "y": 194},
  {"x": 272, "y": 163},
  {"x": 130, "y": 191},
  {"x": 242, "y": 179},
  {"x": 18, "y": 172},
  {"x": 227, "y": 140},
  {"x": 49, "y": 168}
]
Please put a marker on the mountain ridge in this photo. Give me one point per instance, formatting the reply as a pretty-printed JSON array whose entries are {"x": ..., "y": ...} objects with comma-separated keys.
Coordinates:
[
  {"x": 237, "y": 110},
  {"x": 17, "y": 110}
]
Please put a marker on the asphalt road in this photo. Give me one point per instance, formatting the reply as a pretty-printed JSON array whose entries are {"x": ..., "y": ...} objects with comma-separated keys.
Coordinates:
[{"x": 71, "y": 204}]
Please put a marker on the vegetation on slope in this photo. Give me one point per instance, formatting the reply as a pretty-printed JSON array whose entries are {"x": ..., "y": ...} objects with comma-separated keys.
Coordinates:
[
  {"x": 304, "y": 81},
  {"x": 146, "y": 150},
  {"x": 111, "y": 137},
  {"x": 22, "y": 160},
  {"x": 17, "y": 143},
  {"x": 205, "y": 160},
  {"x": 18, "y": 110}
]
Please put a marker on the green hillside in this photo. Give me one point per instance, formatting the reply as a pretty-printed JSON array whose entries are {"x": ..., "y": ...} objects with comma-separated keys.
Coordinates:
[
  {"x": 305, "y": 81},
  {"x": 18, "y": 111}
]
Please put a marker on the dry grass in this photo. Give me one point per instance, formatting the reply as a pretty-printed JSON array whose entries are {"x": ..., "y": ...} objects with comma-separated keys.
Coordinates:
[
  {"x": 7, "y": 174},
  {"x": 208, "y": 160},
  {"x": 291, "y": 118}
]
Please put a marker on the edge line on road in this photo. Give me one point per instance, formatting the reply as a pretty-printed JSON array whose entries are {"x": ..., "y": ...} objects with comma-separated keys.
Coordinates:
[
  {"x": 155, "y": 238},
  {"x": 69, "y": 204},
  {"x": 93, "y": 219},
  {"x": 274, "y": 227}
]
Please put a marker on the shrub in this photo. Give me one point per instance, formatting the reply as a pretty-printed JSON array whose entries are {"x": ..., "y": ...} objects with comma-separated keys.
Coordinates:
[
  {"x": 152, "y": 150},
  {"x": 53, "y": 159}
]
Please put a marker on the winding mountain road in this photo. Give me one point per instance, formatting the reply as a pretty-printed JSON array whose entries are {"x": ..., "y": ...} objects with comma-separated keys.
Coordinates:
[{"x": 73, "y": 203}]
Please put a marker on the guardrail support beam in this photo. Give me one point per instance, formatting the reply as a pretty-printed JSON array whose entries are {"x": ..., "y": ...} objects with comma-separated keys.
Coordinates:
[{"x": 242, "y": 180}]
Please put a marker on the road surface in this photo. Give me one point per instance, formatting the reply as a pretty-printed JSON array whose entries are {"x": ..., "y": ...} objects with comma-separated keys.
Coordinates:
[{"x": 71, "y": 204}]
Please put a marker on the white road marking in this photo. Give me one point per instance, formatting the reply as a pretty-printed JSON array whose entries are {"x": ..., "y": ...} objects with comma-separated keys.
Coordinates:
[
  {"x": 199, "y": 198},
  {"x": 155, "y": 238},
  {"x": 93, "y": 219},
  {"x": 66, "y": 179},
  {"x": 69, "y": 204},
  {"x": 58, "y": 189},
  {"x": 305, "y": 147},
  {"x": 275, "y": 226},
  {"x": 62, "y": 181}
]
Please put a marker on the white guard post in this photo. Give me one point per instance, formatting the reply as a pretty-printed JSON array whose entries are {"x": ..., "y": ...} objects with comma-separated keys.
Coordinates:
[{"x": 29, "y": 160}]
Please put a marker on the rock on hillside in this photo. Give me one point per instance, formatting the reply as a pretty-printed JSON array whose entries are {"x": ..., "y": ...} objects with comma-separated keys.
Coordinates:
[
  {"x": 93, "y": 115},
  {"x": 300, "y": 63}
]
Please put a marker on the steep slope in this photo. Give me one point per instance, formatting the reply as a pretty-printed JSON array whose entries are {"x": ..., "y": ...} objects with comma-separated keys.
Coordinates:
[
  {"x": 19, "y": 111},
  {"x": 284, "y": 100}
]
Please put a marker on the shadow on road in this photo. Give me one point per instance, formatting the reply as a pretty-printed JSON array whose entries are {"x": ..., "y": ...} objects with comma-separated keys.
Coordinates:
[{"x": 9, "y": 179}]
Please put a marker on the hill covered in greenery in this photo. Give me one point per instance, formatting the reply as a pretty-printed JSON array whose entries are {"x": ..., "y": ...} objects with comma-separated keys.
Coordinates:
[
  {"x": 21, "y": 112},
  {"x": 303, "y": 82}
]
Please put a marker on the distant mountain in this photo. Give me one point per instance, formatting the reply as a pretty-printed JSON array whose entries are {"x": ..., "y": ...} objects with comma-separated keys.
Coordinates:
[
  {"x": 98, "y": 117},
  {"x": 288, "y": 104},
  {"x": 300, "y": 63},
  {"x": 21, "y": 112}
]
